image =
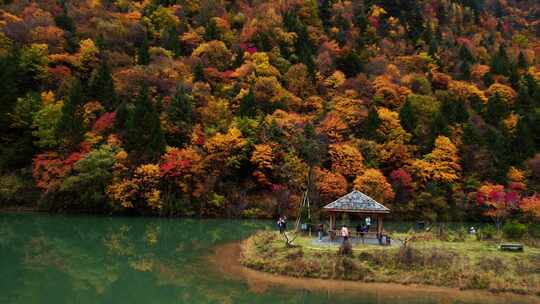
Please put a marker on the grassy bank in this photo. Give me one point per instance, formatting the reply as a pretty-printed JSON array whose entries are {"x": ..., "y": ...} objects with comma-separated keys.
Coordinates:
[{"x": 467, "y": 264}]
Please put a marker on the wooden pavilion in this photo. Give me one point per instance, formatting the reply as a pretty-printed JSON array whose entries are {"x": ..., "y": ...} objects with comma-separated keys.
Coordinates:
[{"x": 357, "y": 202}]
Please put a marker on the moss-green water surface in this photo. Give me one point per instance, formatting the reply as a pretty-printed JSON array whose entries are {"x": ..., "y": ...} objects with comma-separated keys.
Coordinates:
[{"x": 86, "y": 259}]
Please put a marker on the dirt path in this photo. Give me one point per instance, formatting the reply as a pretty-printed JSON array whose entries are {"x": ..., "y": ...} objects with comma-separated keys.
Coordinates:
[{"x": 226, "y": 260}]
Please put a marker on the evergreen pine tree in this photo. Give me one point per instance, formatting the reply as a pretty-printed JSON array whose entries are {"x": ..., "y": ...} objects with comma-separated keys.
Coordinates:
[
  {"x": 198, "y": 72},
  {"x": 465, "y": 70},
  {"x": 171, "y": 42},
  {"x": 211, "y": 31},
  {"x": 71, "y": 126},
  {"x": 121, "y": 117},
  {"x": 433, "y": 46},
  {"x": 488, "y": 79},
  {"x": 465, "y": 54},
  {"x": 143, "y": 129},
  {"x": 461, "y": 113},
  {"x": 523, "y": 145},
  {"x": 371, "y": 124},
  {"x": 102, "y": 87},
  {"x": 325, "y": 12},
  {"x": 522, "y": 61},
  {"x": 143, "y": 53},
  {"x": 310, "y": 149},
  {"x": 406, "y": 116},
  {"x": 439, "y": 126},
  {"x": 65, "y": 22},
  {"x": 275, "y": 133},
  {"x": 496, "y": 109},
  {"x": 180, "y": 114},
  {"x": 248, "y": 107},
  {"x": 513, "y": 76},
  {"x": 500, "y": 64},
  {"x": 350, "y": 63},
  {"x": 9, "y": 86}
]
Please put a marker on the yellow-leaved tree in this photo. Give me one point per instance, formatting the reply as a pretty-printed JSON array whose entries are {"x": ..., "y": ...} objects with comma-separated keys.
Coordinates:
[
  {"x": 441, "y": 165},
  {"x": 346, "y": 159},
  {"x": 262, "y": 158},
  {"x": 373, "y": 183}
]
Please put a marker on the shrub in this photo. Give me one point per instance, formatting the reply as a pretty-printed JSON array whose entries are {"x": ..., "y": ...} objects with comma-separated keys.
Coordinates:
[
  {"x": 514, "y": 230},
  {"x": 345, "y": 249},
  {"x": 534, "y": 230},
  {"x": 460, "y": 235},
  {"x": 492, "y": 263},
  {"x": 486, "y": 233},
  {"x": 478, "y": 281},
  {"x": 16, "y": 189},
  {"x": 408, "y": 257}
]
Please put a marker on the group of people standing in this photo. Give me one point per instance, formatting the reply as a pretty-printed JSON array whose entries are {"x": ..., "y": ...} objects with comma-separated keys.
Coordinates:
[{"x": 361, "y": 228}]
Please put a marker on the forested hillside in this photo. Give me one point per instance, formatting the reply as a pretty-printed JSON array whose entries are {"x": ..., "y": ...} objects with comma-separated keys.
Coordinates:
[{"x": 234, "y": 108}]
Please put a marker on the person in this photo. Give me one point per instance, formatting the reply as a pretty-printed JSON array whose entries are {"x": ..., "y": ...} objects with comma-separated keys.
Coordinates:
[
  {"x": 320, "y": 229},
  {"x": 368, "y": 222},
  {"x": 284, "y": 223},
  {"x": 280, "y": 224},
  {"x": 359, "y": 229},
  {"x": 345, "y": 233}
]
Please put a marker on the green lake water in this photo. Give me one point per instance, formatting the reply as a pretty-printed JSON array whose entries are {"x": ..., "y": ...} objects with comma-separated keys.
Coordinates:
[{"x": 86, "y": 259}]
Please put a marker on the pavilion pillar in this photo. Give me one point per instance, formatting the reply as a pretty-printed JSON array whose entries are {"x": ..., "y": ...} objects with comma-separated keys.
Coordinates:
[
  {"x": 332, "y": 221},
  {"x": 380, "y": 224}
]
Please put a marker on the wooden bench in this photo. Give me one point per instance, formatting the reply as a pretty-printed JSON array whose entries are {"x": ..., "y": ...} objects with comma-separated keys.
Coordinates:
[{"x": 511, "y": 247}]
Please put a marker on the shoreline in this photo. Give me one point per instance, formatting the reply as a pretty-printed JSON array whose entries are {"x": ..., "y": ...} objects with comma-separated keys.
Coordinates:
[{"x": 226, "y": 258}]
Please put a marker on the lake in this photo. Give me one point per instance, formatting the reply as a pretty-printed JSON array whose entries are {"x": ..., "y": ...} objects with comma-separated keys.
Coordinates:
[{"x": 90, "y": 259}]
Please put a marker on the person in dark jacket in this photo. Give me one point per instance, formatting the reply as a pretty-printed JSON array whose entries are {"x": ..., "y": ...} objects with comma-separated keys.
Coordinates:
[{"x": 320, "y": 229}]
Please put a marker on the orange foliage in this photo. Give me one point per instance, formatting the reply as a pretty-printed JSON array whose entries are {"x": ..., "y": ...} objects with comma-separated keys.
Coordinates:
[
  {"x": 531, "y": 206},
  {"x": 333, "y": 127},
  {"x": 346, "y": 159},
  {"x": 350, "y": 109},
  {"x": 507, "y": 93},
  {"x": 441, "y": 165},
  {"x": 373, "y": 183},
  {"x": 144, "y": 186},
  {"x": 330, "y": 185},
  {"x": 465, "y": 90},
  {"x": 225, "y": 150}
]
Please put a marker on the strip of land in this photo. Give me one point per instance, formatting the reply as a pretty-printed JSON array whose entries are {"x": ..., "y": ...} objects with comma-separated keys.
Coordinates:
[{"x": 467, "y": 265}]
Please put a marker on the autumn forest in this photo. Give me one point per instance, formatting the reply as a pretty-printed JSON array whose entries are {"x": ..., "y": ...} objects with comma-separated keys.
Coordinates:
[{"x": 221, "y": 108}]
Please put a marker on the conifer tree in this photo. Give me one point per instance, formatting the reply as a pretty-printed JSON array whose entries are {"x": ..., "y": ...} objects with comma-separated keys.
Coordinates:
[
  {"x": 310, "y": 149},
  {"x": 121, "y": 117},
  {"x": 500, "y": 64},
  {"x": 143, "y": 129},
  {"x": 371, "y": 124},
  {"x": 65, "y": 22},
  {"x": 248, "y": 107},
  {"x": 171, "y": 42},
  {"x": 465, "y": 70},
  {"x": 71, "y": 125},
  {"x": 496, "y": 109},
  {"x": 102, "y": 87},
  {"x": 211, "y": 31},
  {"x": 198, "y": 72},
  {"x": 143, "y": 54},
  {"x": 522, "y": 61},
  {"x": 406, "y": 116},
  {"x": 523, "y": 145},
  {"x": 180, "y": 114}
]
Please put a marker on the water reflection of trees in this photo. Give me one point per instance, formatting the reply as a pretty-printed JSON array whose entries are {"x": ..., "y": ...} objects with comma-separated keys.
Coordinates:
[{"x": 101, "y": 257}]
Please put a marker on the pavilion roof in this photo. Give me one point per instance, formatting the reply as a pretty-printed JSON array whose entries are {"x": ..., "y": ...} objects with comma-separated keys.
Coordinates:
[{"x": 356, "y": 201}]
